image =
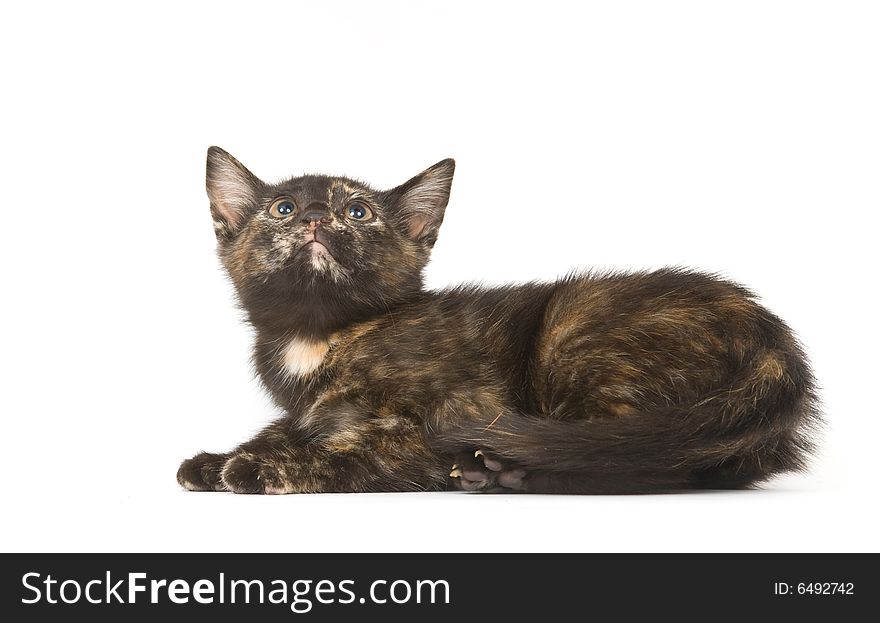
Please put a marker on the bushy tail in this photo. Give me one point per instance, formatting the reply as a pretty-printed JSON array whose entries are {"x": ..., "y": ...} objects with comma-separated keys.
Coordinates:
[{"x": 755, "y": 427}]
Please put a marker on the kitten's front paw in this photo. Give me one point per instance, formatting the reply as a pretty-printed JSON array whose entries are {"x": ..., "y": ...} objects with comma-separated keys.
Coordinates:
[
  {"x": 202, "y": 472},
  {"x": 483, "y": 471},
  {"x": 248, "y": 473}
]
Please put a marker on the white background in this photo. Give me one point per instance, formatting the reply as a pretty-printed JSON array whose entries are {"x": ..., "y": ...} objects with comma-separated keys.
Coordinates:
[{"x": 739, "y": 137}]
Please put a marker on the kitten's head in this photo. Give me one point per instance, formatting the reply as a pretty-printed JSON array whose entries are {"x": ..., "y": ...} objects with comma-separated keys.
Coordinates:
[{"x": 314, "y": 252}]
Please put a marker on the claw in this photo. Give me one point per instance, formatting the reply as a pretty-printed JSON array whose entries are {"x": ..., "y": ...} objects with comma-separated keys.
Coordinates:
[{"x": 491, "y": 464}]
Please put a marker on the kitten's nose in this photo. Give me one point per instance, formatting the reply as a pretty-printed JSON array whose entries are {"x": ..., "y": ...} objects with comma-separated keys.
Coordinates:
[{"x": 317, "y": 213}]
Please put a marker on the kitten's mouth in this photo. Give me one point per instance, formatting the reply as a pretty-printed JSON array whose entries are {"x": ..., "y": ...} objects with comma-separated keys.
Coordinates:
[{"x": 313, "y": 248}]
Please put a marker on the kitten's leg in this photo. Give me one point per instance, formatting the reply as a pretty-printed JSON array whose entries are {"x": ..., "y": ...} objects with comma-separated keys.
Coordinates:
[
  {"x": 486, "y": 472},
  {"x": 202, "y": 472},
  {"x": 361, "y": 454}
]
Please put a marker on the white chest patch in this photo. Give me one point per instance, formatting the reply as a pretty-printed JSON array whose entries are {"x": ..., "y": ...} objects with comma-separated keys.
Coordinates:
[{"x": 302, "y": 357}]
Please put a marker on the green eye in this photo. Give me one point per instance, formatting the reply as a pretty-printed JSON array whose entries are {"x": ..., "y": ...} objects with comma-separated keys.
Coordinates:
[
  {"x": 281, "y": 208},
  {"x": 359, "y": 212}
]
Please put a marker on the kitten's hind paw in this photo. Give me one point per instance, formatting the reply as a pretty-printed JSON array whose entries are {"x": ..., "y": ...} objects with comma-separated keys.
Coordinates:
[
  {"x": 202, "y": 472},
  {"x": 486, "y": 472}
]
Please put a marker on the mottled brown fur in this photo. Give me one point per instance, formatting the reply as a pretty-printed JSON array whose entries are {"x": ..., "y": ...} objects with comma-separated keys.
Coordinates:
[{"x": 597, "y": 383}]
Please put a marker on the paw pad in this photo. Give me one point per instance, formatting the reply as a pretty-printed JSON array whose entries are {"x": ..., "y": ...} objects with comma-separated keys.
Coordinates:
[{"x": 483, "y": 471}]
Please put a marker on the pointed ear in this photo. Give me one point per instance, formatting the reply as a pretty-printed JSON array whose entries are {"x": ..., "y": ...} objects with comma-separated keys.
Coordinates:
[
  {"x": 421, "y": 202},
  {"x": 232, "y": 190}
]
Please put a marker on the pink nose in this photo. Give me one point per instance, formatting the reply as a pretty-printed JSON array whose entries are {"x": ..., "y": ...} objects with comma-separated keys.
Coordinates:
[{"x": 315, "y": 214}]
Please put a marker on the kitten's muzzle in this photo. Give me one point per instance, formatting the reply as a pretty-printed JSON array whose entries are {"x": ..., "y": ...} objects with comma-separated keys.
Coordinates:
[{"x": 315, "y": 238}]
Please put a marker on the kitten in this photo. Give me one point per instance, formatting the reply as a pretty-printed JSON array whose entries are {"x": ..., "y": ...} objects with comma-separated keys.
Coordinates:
[{"x": 605, "y": 383}]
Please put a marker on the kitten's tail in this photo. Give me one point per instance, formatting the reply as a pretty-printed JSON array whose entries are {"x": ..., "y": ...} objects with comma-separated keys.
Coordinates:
[{"x": 756, "y": 427}]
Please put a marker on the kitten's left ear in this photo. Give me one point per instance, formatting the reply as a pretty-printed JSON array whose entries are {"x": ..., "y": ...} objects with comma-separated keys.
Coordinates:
[
  {"x": 232, "y": 190},
  {"x": 421, "y": 202}
]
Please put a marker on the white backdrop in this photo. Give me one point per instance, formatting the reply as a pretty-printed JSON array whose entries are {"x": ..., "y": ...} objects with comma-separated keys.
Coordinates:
[{"x": 739, "y": 137}]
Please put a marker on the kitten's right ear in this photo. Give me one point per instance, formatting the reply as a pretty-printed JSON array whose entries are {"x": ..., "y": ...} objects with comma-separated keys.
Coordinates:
[{"x": 232, "y": 190}]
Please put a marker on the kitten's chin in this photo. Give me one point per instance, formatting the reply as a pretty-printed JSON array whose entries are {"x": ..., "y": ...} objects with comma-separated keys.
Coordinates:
[{"x": 317, "y": 258}]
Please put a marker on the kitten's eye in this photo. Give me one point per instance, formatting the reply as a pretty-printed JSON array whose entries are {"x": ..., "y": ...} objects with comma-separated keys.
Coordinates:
[
  {"x": 359, "y": 212},
  {"x": 281, "y": 208}
]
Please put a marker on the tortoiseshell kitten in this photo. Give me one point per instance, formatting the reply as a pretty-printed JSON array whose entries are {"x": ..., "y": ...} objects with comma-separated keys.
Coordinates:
[{"x": 611, "y": 383}]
